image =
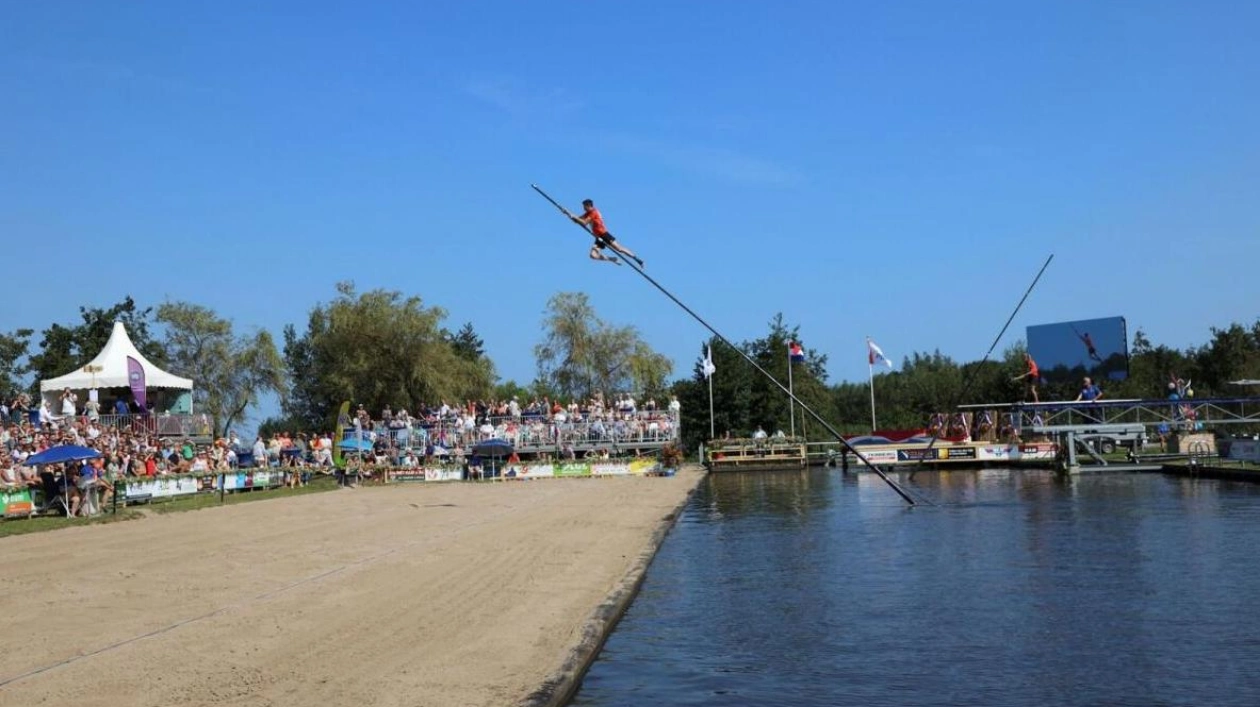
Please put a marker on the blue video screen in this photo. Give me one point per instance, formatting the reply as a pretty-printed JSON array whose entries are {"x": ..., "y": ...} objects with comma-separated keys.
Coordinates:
[{"x": 1066, "y": 352}]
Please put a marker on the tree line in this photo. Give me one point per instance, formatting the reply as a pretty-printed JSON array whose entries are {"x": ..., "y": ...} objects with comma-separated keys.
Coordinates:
[
  {"x": 377, "y": 348},
  {"x": 929, "y": 382},
  {"x": 383, "y": 347}
]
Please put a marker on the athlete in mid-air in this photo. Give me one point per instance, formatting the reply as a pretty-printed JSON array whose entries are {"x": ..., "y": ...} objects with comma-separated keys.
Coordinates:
[
  {"x": 1089, "y": 344},
  {"x": 592, "y": 220}
]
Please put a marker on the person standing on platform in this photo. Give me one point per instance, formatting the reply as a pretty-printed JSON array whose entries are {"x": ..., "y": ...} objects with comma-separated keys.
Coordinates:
[
  {"x": 1090, "y": 393},
  {"x": 1032, "y": 376}
]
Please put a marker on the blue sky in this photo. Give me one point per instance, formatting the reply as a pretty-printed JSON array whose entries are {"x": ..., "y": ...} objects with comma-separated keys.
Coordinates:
[{"x": 898, "y": 170}]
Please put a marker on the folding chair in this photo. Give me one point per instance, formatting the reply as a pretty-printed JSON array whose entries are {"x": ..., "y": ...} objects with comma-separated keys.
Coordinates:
[{"x": 54, "y": 494}]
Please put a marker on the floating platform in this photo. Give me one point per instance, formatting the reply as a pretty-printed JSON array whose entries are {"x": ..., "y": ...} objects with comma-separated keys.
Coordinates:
[
  {"x": 746, "y": 454},
  {"x": 975, "y": 453}
]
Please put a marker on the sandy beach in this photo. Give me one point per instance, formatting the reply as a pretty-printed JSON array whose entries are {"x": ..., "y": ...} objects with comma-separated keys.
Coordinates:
[{"x": 443, "y": 594}]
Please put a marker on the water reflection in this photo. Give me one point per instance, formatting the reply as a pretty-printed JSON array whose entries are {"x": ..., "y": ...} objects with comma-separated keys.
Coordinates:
[{"x": 1020, "y": 588}]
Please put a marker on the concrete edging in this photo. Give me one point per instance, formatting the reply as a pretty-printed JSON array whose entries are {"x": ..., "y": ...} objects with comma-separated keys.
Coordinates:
[{"x": 561, "y": 686}]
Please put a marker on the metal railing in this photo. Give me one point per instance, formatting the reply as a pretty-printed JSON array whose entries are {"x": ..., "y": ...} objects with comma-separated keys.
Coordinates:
[{"x": 534, "y": 433}]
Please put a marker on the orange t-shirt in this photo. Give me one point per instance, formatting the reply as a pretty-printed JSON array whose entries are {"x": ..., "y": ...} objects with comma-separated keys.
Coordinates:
[
  {"x": 596, "y": 221},
  {"x": 1032, "y": 369}
]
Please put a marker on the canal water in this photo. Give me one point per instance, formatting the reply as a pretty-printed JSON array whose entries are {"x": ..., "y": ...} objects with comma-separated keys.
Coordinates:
[{"x": 1019, "y": 588}]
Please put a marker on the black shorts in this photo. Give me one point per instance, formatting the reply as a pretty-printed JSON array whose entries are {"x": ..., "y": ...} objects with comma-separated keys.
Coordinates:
[{"x": 604, "y": 240}]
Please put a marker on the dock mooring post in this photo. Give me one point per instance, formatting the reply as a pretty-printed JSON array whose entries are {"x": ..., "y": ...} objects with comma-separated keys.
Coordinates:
[{"x": 1068, "y": 441}]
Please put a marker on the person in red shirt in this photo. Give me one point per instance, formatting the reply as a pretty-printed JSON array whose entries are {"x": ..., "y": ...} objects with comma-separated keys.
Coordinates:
[
  {"x": 1033, "y": 375},
  {"x": 592, "y": 220}
]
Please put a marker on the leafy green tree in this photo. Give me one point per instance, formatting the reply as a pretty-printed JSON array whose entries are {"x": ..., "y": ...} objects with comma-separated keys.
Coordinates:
[
  {"x": 229, "y": 372},
  {"x": 581, "y": 354},
  {"x": 466, "y": 343},
  {"x": 511, "y": 389},
  {"x": 1233, "y": 353},
  {"x": 377, "y": 348},
  {"x": 13, "y": 348}
]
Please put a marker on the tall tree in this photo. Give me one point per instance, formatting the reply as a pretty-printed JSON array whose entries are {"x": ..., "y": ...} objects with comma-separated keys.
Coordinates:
[
  {"x": 377, "y": 348},
  {"x": 13, "y": 349},
  {"x": 581, "y": 355},
  {"x": 229, "y": 372},
  {"x": 466, "y": 343}
]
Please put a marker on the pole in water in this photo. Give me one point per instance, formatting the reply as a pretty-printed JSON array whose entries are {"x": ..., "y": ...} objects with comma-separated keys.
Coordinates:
[
  {"x": 805, "y": 408},
  {"x": 966, "y": 387}
]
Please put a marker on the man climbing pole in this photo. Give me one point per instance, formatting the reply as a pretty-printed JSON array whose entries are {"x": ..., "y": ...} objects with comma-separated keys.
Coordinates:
[{"x": 593, "y": 220}]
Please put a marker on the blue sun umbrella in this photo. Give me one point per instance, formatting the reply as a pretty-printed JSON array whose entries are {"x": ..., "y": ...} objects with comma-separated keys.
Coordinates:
[
  {"x": 355, "y": 445},
  {"x": 62, "y": 454},
  {"x": 493, "y": 448}
]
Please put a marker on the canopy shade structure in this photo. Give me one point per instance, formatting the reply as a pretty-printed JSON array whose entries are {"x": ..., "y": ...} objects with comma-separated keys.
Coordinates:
[
  {"x": 62, "y": 454},
  {"x": 109, "y": 369}
]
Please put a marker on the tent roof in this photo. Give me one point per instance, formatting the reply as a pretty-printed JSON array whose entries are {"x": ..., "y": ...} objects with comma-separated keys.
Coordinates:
[{"x": 112, "y": 361}]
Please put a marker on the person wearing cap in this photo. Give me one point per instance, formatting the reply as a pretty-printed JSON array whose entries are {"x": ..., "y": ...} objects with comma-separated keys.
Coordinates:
[{"x": 594, "y": 221}]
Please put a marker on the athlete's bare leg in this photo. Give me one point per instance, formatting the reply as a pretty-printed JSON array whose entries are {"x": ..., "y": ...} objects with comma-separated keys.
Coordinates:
[
  {"x": 626, "y": 252},
  {"x": 596, "y": 255}
]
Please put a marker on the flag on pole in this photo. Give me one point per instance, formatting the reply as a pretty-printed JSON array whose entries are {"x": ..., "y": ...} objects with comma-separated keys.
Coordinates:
[
  {"x": 875, "y": 355},
  {"x": 709, "y": 368},
  {"x": 795, "y": 352}
]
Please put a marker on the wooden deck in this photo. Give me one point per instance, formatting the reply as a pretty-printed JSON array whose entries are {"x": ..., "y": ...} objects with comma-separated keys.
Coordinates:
[{"x": 746, "y": 454}]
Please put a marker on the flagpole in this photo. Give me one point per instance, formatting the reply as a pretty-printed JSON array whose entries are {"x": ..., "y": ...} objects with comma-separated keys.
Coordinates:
[
  {"x": 870, "y": 373},
  {"x": 791, "y": 395},
  {"x": 712, "y": 431}
]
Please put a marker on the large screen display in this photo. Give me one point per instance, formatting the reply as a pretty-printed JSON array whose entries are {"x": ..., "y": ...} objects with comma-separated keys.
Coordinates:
[{"x": 1066, "y": 352}]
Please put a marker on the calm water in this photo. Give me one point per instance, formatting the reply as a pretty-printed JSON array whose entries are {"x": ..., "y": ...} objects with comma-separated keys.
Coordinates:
[{"x": 816, "y": 588}]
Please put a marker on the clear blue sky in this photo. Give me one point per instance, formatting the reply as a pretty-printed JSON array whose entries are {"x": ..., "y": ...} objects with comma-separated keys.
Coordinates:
[{"x": 893, "y": 169}]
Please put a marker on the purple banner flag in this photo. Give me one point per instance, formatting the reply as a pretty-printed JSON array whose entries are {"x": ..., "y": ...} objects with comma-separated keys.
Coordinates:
[{"x": 135, "y": 376}]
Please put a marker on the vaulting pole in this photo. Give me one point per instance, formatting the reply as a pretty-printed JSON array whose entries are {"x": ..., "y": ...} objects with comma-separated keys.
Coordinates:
[{"x": 807, "y": 409}]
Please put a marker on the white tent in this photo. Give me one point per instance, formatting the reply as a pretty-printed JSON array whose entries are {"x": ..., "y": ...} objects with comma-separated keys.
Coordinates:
[{"x": 109, "y": 369}]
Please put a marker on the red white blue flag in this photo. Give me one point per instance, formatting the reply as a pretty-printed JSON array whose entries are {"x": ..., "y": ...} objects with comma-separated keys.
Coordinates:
[{"x": 795, "y": 352}]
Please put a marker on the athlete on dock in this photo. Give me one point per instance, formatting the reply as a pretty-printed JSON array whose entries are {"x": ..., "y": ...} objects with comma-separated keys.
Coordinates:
[
  {"x": 1032, "y": 375},
  {"x": 592, "y": 219}
]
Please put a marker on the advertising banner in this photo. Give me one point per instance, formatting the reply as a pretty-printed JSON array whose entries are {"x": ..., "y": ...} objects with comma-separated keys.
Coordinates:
[
  {"x": 135, "y": 377},
  {"x": 879, "y": 456},
  {"x": 1244, "y": 450},
  {"x": 918, "y": 454},
  {"x": 531, "y": 471},
  {"x": 442, "y": 473},
  {"x": 610, "y": 469},
  {"x": 16, "y": 502},
  {"x": 573, "y": 469},
  {"x": 163, "y": 487},
  {"x": 642, "y": 466},
  {"x": 958, "y": 453}
]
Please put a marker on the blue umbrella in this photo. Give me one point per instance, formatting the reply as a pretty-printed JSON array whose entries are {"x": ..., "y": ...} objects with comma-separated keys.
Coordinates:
[
  {"x": 60, "y": 455},
  {"x": 356, "y": 445},
  {"x": 493, "y": 448}
]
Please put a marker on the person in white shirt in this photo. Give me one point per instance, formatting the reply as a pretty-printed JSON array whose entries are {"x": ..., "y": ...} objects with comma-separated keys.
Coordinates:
[
  {"x": 68, "y": 403},
  {"x": 260, "y": 452}
]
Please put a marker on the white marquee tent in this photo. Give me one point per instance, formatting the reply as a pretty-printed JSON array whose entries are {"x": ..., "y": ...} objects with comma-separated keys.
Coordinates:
[{"x": 109, "y": 369}]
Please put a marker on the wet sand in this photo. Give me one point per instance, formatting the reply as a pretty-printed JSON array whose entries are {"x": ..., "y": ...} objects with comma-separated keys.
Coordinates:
[{"x": 443, "y": 594}]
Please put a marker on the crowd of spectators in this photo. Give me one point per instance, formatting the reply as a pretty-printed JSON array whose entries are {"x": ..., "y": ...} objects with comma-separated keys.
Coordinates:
[
  {"x": 537, "y": 426},
  {"x": 442, "y": 434}
]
